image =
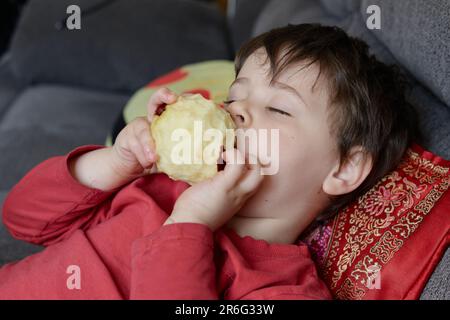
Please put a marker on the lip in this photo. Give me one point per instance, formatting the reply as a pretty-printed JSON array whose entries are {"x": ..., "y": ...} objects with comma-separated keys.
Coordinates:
[{"x": 246, "y": 152}]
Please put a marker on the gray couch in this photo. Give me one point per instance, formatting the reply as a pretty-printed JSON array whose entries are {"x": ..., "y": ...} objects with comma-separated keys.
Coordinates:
[{"x": 61, "y": 89}]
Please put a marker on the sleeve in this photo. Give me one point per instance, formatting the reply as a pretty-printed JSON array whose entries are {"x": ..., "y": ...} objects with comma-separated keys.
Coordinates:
[
  {"x": 313, "y": 291},
  {"x": 309, "y": 287},
  {"x": 48, "y": 204},
  {"x": 176, "y": 262}
]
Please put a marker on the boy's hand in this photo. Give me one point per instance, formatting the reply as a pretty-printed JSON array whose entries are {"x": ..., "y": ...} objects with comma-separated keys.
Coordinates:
[
  {"x": 214, "y": 201},
  {"x": 133, "y": 153}
]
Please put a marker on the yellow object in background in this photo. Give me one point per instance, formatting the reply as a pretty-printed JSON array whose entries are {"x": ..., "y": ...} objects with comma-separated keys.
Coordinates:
[{"x": 211, "y": 79}]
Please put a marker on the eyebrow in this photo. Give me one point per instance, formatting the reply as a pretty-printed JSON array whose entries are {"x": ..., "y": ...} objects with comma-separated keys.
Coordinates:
[{"x": 276, "y": 84}]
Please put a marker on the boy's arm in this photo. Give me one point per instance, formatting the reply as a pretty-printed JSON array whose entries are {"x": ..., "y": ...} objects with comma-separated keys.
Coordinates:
[
  {"x": 48, "y": 203},
  {"x": 175, "y": 262},
  {"x": 64, "y": 194},
  {"x": 99, "y": 169}
]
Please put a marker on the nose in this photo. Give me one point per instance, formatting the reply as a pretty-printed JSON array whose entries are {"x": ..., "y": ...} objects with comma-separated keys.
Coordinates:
[{"x": 240, "y": 114}]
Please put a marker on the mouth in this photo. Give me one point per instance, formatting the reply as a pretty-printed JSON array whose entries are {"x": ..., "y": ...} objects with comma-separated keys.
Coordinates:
[
  {"x": 221, "y": 166},
  {"x": 245, "y": 151},
  {"x": 221, "y": 162}
]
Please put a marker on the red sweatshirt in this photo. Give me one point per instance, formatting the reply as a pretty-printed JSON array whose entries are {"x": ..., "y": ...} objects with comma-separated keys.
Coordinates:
[{"x": 112, "y": 245}]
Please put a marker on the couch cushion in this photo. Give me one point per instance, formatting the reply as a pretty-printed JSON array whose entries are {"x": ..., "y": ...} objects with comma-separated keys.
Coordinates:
[
  {"x": 434, "y": 120},
  {"x": 10, "y": 248},
  {"x": 438, "y": 287},
  {"x": 242, "y": 15},
  {"x": 417, "y": 33},
  {"x": 342, "y": 13},
  {"x": 10, "y": 88},
  {"x": 340, "y": 8},
  {"x": 121, "y": 46},
  {"x": 279, "y": 13},
  {"x": 45, "y": 121}
]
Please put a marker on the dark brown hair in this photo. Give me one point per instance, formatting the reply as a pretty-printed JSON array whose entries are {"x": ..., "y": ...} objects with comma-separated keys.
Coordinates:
[{"x": 368, "y": 106}]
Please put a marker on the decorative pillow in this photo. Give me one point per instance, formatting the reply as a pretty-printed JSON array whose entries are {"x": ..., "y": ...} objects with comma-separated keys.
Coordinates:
[
  {"x": 384, "y": 245},
  {"x": 211, "y": 79}
]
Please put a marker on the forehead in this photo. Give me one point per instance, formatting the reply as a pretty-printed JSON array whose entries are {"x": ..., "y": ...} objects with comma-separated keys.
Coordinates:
[{"x": 300, "y": 75}]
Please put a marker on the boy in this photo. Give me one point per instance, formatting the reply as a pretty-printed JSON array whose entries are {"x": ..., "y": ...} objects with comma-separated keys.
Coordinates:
[{"x": 134, "y": 234}]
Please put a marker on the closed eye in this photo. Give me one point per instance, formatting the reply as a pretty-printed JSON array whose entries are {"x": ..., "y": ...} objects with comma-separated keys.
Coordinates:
[{"x": 271, "y": 109}]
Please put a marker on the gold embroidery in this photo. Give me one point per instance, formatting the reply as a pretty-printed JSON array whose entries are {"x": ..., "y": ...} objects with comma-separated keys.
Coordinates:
[
  {"x": 422, "y": 169},
  {"x": 366, "y": 270},
  {"x": 348, "y": 291},
  {"x": 385, "y": 248},
  {"x": 385, "y": 216},
  {"x": 407, "y": 224}
]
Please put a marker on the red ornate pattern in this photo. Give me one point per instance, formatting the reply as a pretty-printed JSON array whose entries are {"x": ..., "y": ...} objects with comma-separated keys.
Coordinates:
[
  {"x": 171, "y": 77},
  {"x": 364, "y": 241},
  {"x": 204, "y": 92}
]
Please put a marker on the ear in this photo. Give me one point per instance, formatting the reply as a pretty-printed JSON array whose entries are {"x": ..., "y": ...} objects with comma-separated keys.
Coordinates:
[{"x": 347, "y": 176}]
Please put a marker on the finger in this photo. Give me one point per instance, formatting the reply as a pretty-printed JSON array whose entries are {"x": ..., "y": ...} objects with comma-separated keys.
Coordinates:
[
  {"x": 145, "y": 138},
  {"x": 141, "y": 129},
  {"x": 253, "y": 177},
  {"x": 234, "y": 168},
  {"x": 161, "y": 97},
  {"x": 152, "y": 170},
  {"x": 138, "y": 151}
]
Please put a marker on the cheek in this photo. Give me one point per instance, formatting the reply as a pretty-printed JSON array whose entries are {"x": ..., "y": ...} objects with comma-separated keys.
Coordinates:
[
  {"x": 293, "y": 150},
  {"x": 303, "y": 159}
]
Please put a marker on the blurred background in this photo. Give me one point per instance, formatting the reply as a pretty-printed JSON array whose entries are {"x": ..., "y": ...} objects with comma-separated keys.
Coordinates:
[{"x": 62, "y": 88}]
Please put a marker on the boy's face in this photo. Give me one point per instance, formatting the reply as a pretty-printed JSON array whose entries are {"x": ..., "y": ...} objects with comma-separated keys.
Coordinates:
[{"x": 307, "y": 151}]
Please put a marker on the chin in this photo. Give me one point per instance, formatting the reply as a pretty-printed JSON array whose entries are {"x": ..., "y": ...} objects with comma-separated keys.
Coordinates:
[
  {"x": 242, "y": 213},
  {"x": 250, "y": 211}
]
